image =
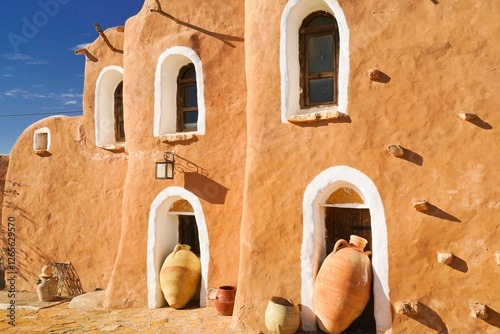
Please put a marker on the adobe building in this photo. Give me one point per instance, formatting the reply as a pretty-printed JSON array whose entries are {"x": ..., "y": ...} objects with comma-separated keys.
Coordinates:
[{"x": 294, "y": 124}]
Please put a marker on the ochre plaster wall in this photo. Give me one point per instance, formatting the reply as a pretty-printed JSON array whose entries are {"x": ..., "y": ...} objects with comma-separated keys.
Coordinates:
[
  {"x": 439, "y": 60},
  {"x": 67, "y": 202},
  {"x": 210, "y": 166}
]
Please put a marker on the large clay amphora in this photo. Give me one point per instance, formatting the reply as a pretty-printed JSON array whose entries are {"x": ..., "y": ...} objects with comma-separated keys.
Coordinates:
[
  {"x": 282, "y": 316},
  {"x": 343, "y": 286},
  {"x": 180, "y": 276}
]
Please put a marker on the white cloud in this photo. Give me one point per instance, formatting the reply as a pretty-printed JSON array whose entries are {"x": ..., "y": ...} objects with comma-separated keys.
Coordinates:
[
  {"x": 7, "y": 75},
  {"x": 37, "y": 62},
  {"x": 79, "y": 46},
  {"x": 23, "y": 93},
  {"x": 65, "y": 99},
  {"x": 24, "y": 58},
  {"x": 16, "y": 56},
  {"x": 15, "y": 92}
]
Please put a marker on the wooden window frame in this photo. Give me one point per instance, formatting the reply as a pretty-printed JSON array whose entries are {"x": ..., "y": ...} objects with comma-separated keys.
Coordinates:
[
  {"x": 182, "y": 83},
  {"x": 304, "y": 35},
  {"x": 118, "y": 106}
]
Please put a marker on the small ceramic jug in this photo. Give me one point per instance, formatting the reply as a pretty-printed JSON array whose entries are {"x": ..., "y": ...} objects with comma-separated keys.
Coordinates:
[
  {"x": 224, "y": 300},
  {"x": 46, "y": 285}
]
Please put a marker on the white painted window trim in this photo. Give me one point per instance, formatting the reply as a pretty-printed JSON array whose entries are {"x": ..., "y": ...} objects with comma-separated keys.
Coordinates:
[
  {"x": 105, "y": 119},
  {"x": 155, "y": 256},
  {"x": 294, "y": 13},
  {"x": 35, "y": 139},
  {"x": 165, "y": 107},
  {"x": 313, "y": 240}
]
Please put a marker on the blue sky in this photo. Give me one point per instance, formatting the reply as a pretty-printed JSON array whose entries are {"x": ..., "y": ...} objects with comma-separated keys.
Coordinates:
[{"x": 39, "y": 71}]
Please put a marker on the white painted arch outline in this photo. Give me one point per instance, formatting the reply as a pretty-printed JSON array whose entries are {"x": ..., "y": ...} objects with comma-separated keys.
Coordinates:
[
  {"x": 313, "y": 242},
  {"x": 162, "y": 238},
  {"x": 294, "y": 13},
  {"x": 165, "y": 107},
  {"x": 104, "y": 114}
]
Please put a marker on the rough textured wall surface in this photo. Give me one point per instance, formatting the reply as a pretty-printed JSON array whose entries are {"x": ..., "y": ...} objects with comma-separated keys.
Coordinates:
[
  {"x": 67, "y": 202},
  {"x": 212, "y": 165},
  {"x": 438, "y": 60}
]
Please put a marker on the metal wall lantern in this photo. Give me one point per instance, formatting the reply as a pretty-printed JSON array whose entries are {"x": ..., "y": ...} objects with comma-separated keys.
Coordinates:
[{"x": 165, "y": 169}]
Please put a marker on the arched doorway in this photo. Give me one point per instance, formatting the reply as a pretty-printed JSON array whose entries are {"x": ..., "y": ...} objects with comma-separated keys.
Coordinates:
[
  {"x": 314, "y": 245},
  {"x": 172, "y": 208}
]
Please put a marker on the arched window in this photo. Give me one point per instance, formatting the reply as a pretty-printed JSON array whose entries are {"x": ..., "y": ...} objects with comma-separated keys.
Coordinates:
[
  {"x": 314, "y": 61},
  {"x": 119, "y": 123},
  {"x": 187, "y": 101},
  {"x": 319, "y": 59},
  {"x": 108, "y": 114},
  {"x": 179, "y": 112}
]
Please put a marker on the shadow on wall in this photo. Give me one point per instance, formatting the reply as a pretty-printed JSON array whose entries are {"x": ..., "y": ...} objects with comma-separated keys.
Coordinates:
[
  {"x": 480, "y": 123},
  {"x": 459, "y": 264},
  {"x": 434, "y": 211},
  {"x": 429, "y": 318},
  {"x": 221, "y": 37},
  {"x": 205, "y": 188},
  {"x": 316, "y": 124},
  {"x": 493, "y": 318},
  {"x": 412, "y": 157},
  {"x": 383, "y": 78},
  {"x": 29, "y": 258}
]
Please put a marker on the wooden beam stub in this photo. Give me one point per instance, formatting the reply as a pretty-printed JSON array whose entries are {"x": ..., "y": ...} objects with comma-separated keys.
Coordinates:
[{"x": 99, "y": 30}]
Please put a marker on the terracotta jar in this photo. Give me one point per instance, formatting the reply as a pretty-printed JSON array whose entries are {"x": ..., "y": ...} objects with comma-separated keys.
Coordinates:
[
  {"x": 46, "y": 285},
  {"x": 282, "y": 316},
  {"x": 180, "y": 276},
  {"x": 343, "y": 285},
  {"x": 224, "y": 299}
]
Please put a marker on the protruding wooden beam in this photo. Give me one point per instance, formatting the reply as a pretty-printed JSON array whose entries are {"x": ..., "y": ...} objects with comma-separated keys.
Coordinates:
[
  {"x": 420, "y": 205},
  {"x": 99, "y": 30},
  {"x": 86, "y": 53},
  {"x": 159, "y": 10},
  {"x": 467, "y": 116},
  {"x": 478, "y": 310},
  {"x": 374, "y": 74},
  {"x": 445, "y": 258},
  {"x": 120, "y": 29},
  {"x": 396, "y": 150},
  {"x": 409, "y": 308}
]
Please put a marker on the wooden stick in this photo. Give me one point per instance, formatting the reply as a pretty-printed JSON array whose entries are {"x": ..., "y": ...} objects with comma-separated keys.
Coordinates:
[
  {"x": 99, "y": 30},
  {"x": 86, "y": 53},
  {"x": 159, "y": 10}
]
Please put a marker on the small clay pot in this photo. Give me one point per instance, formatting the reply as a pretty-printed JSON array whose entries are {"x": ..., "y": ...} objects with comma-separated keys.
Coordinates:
[
  {"x": 282, "y": 316},
  {"x": 224, "y": 299},
  {"x": 46, "y": 288}
]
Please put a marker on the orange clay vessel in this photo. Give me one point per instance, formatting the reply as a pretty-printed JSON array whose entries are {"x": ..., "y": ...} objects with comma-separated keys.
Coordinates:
[{"x": 343, "y": 285}]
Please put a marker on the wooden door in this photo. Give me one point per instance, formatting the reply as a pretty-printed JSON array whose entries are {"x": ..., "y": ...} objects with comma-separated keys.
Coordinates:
[
  {"x": 341, "y": 223},
  {"x": 188, "y": 233}
]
